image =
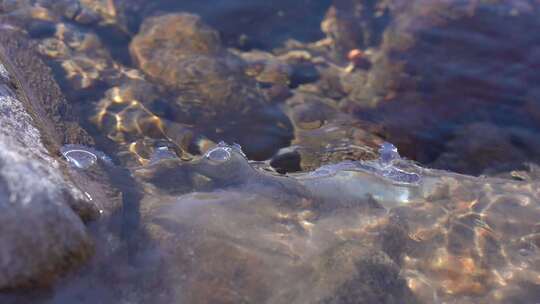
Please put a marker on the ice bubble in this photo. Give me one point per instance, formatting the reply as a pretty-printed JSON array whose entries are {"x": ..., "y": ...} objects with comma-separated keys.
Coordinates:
[
  {"x": 329, "y": 170},
  {"x": 223, "y": 152},
  {"x": 388, "y": 153},
  {"x": 83, "y": 157},
  {"x": 400, "y": 176},
  {"x": 219, "y": 154},
  {"x": 385, "y": 166}
]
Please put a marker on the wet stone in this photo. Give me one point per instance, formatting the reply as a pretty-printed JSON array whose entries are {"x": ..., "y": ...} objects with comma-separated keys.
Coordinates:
[
  {"x": 47, "y": 203},
  {"x": 42, "y": 236}
]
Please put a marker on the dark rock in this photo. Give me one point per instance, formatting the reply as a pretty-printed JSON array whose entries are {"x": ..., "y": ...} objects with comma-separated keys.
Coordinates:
[
  {"x": 252, "y": 24},
  {"x": 441, "y": 66},
  {"x": 484, "y": 148}
]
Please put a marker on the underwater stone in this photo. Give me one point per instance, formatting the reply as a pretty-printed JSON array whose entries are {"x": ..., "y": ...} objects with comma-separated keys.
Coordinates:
[
  {"x": 262, "y": 225},
  {"x": 239, "y": 217},
  {"x": 183, "y": 53}
]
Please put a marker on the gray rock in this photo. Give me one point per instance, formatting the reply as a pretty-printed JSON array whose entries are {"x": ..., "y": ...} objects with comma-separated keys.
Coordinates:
[{"x": 41, "y": 236}]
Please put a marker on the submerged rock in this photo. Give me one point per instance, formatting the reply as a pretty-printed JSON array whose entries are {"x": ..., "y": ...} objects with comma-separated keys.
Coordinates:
[
  {"x": 441, "y": 68},
  {"x": 209, "y": 87},
  {"x": 219, "y": 228},
  {"x": 323, "y": 135},
  {"x": 243, "y": 229},
  {"x": 285, "y": 233}
]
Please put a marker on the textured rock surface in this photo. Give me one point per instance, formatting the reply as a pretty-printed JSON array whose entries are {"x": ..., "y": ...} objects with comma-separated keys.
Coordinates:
[
  {"x": 42, "y": 209},
  {"x": 41, "y": 235}
]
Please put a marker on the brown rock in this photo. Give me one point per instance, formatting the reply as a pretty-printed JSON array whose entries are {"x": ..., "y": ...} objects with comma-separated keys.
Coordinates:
[
  {"x": 212, "y": 91},
  {"x": 180, "y": 51}
]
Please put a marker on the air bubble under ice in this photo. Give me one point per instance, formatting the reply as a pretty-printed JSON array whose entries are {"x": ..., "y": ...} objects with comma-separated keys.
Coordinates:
[{"x": 83, "y": 157}]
